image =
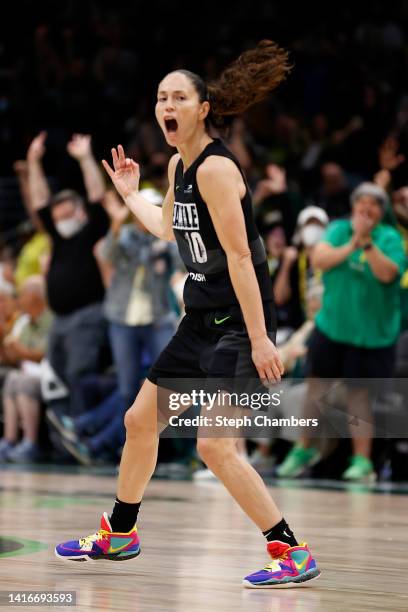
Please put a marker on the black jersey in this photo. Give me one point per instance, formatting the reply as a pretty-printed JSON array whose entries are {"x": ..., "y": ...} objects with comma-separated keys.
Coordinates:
[{"x": 208, "y": 284}]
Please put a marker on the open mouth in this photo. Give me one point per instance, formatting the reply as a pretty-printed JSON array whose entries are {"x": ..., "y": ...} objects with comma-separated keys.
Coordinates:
[{"x": 171, "y": 125}]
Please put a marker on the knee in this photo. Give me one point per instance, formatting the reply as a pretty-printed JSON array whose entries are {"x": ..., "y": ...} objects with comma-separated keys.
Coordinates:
[
  {"x": 215, "y": 450},
  {"x": 136, "y": 426}
]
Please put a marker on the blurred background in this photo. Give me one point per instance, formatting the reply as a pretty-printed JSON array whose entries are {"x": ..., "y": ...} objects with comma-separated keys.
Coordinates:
[{"x": 79, "y": 77}]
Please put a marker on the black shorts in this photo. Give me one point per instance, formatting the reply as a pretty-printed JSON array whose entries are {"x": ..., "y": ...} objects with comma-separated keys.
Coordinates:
[
  {"x": 329, "y": 359},
  {"x": 211, "y": 344}
]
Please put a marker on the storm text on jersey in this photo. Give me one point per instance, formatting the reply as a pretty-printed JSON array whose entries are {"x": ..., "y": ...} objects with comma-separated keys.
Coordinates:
[{"x": 185, "y": 216}]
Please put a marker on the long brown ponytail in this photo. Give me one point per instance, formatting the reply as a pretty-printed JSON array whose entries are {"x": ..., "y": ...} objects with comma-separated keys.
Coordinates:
[{"x": 248, "y": 80}]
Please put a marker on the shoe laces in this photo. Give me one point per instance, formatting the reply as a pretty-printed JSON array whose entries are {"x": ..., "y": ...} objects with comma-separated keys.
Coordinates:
[
  {"x": 94, "y": 537},
  {"x": 274, "y": 566}
]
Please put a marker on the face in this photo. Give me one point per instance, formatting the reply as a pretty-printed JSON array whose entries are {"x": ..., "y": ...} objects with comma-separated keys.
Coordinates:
[
  {"x": 179, "y": 111},
  {"x": 311, "y": 232},
  {"x": 368, "y": 207},
  {"x": 64, "y": 210},
  {"x": 275, "y": 242},
  {"x": 333, "y": 178},
  {"x": 31, "y": 303}
]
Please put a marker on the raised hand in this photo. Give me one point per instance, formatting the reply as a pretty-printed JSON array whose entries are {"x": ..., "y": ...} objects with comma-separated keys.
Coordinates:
[
  {"x": 273, "y": 185},
  {"x": 125, "y": 174},
  {"x": 79, "y": 147},
  {"x": 36, "y": 150},
  {"x": 388, "y": 154},
  {"x": 276, "y": 178},
  {"x": 290, "y": 255},
  {"x": 382, "y": 178}
]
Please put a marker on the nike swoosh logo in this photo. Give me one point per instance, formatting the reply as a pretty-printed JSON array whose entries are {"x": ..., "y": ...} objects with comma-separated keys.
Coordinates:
[
  {"x": 300, "y": 566},
  {"x": 219, "y": 321},
  {"x": 113, "y": 549}
]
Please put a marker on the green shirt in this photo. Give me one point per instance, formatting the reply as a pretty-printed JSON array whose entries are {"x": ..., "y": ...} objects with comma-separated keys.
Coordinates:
[
  {"x": 357, "y": 308},
  {"x": 34, "y": 334}
]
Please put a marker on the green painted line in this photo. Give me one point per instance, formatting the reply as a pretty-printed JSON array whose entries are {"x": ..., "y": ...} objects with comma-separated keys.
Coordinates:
[
  {"x": 61, "y": 502},
  {"x": 26, "y": 547},
  {"x": 35, "y": 500}
]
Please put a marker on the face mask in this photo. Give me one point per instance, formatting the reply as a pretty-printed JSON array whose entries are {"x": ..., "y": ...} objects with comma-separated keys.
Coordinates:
[
  {"x": 69, "y": 227},
  {"x": 311, "y": 234}
]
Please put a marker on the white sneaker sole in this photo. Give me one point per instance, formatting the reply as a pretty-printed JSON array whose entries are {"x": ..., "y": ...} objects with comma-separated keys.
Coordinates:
[
  {"x": 87, "y": 559},
  {"x": 284, "y": 585}
]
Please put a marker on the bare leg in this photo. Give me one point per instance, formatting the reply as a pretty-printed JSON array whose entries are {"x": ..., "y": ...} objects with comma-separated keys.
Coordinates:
[
  {"x": 220, "y": 454},
  {"x": 313, "y": 405},
  {"x": 10, "y": 418},
  {"x": 361, "y": 426},
  {"x": 240, "y": 479},
  {"x": 29, "y": 412},
  {"x": 139, "y": 454}
]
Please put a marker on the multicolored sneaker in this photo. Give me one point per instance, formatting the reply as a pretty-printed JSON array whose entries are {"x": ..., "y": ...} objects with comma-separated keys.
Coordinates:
[
  {"x": 297, "y": 461},
  {"x": 361, "y": 469},
  {"x": 291, "y": 566},
  {"x": 104, "y": 544}
]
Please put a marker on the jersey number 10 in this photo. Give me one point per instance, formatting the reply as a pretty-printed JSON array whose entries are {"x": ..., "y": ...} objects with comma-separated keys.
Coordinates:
[{"x": 197, "y": 248}]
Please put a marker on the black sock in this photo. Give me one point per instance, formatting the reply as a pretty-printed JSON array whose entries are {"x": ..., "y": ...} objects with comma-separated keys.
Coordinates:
[
  {"x": 281, "y": 532},
  {"x": 124, "y": 516}
]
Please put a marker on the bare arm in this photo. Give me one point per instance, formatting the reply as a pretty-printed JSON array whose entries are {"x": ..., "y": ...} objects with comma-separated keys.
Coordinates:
[
  {"x": 16, "y": 351},
  {"x": 21, "y": 169},
  {"x": 222, "y": 188},
  {"x": 80, "y": 149},
  {"x": 282, "y": 289},
  {"x": 39, "y": 191},
  {"x": 381, "y": 266},
  {"x": 325, "y": 256},
  {"x": 125, "y": 176}
]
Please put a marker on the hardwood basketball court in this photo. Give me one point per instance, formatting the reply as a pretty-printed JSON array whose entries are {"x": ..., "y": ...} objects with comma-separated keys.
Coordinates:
[{"x": 197, "y": 545}]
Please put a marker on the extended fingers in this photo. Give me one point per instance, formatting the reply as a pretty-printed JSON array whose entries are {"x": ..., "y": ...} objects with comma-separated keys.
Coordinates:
[
  {"x": 121, "y": 153},
  {"x": 115, "y": 158},
  {"x": 108, "y": 168}
]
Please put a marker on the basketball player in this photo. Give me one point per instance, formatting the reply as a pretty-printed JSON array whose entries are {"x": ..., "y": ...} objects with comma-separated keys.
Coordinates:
[{"x": 230, "y": 315}]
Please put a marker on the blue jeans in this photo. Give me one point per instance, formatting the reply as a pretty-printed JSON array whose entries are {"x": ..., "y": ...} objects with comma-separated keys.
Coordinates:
[
  {"x": 104, "y": 423},
  {"x": 163, "y": 333},
  {"x": 74, "y": 349},
  {"x": 129, "y": 345}
]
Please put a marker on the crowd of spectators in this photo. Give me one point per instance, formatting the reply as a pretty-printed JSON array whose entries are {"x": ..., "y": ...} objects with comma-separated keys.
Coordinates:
[{"x": 88, "y": 298}]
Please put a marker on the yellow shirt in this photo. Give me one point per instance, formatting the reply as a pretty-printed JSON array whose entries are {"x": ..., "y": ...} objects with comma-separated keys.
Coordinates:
[{"x": 29, "y": 260}]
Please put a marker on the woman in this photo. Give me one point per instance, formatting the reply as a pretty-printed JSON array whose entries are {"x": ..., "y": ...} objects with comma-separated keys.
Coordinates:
[
  {"x": 296, "y": 274},
  {"x": 230, "y": 318}
]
